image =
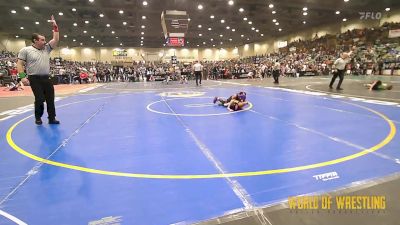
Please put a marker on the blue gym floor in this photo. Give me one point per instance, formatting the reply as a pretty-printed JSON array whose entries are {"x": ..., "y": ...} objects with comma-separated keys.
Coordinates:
[{"x": 164, "y": 158}]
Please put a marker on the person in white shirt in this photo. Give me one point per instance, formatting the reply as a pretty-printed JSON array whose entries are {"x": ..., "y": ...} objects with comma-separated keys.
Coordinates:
[
  {"x": 276, "y": 71},
  {"x": 340, "y": 66},
  {"x": 198, "y": 68}
]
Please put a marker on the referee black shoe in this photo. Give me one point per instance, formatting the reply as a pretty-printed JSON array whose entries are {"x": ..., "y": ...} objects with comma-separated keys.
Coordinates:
[
  {"x": 54, "y": 121},
  {"x": 38, "y": 121}
]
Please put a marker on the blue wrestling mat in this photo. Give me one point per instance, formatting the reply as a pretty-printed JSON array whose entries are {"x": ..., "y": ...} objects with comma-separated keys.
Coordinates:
[{"x": 159, "y": 158}]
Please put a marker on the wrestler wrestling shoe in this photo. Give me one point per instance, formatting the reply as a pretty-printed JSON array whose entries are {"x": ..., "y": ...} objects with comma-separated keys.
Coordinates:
[{"x": 215, "y": 100}]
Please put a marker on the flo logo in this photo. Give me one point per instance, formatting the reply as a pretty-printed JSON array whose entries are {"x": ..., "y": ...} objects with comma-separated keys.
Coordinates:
[{"x": 370, "y": 15}]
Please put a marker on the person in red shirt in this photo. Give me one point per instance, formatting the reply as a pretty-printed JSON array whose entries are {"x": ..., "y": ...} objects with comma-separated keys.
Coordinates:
[{"x": 84, "y": 76}]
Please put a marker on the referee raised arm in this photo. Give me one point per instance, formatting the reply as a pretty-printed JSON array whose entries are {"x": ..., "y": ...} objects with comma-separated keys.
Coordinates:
[{"x": 35, "y": 60}]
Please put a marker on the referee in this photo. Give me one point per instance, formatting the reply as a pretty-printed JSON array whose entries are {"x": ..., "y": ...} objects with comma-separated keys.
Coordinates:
[
  {"x": 340, "y": 66},
  {"x": 35, "y": 59},
  {"x": 198, "y": 68}
]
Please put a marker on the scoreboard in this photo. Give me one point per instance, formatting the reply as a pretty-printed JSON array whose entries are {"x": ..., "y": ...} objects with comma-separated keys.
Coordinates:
[{"x": 175, "y": 41}]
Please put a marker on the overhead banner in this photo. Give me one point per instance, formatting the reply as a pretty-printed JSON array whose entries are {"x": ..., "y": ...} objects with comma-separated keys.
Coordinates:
[
  {"x": 282, "y": 44},
  {"x": 394, "y": 33},
  {"x": 119, "y": 52}
]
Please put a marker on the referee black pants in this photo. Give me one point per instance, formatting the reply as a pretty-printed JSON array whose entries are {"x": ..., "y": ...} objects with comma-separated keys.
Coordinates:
[
  {"x": 340, "y": 74},
  {"x": 198, "y": 76},
  {"x": 43, "y": 90}
]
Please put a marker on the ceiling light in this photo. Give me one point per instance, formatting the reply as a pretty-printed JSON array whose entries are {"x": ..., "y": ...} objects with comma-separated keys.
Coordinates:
[
  {"x": 120, "y": 44},
  {"x": 277, "y": 23},
  {"x": 257, "y": 30},
  {"x": 231, "y": 2},
  {"x": 204, "y": 42},
  {"x": 233, "y": 29},
  {"x": 142, "y": 38},
  {"x": 145, "y": 3},
  {"x": 387, "y": 9},
  {"x": 101, "y": 15},
  {"x": 245, "y": 18},
  {"x": 143, "y": 17},
  {"x": 16, "y": 36},
  {"x": 74, "y": 40},
  {"x": 213, "y": 45},
  {"x": 84, "y": 31},
  {"x": 241, "y": 10},
  {"x": 21, "y": 28},
  {"x": 81, "y": 43},
  {"x": 199, "y": 26},
  {"x": 92, "y": 37},
  {"x": 344, "y": 19},
  {"x": 26, "y": 8},
  {"x": 91, "y": 0},
  {"x": 230, "y": 39},
  {"x": 212, "y": 16},
  {"x": 141, "y": 44},
  {"x": 274, "y": 20},
  {"x": 60, "y": 13},
  {"x": 305, "y": 13},
  {"x": 221, "y": 42},
  {"x": 200, "y": 6},
  {"x": 271, "y": 6},
  {"x": 65, "y": 35},
  {"x": 253, "y": 28},
  {"x": 143, "y": 26},
  {"x": 86, "y": 21},
  {"x": 211, "y": 39},
  {"x": 228, "y": 28},
  {"x": 346, "y": 0},
  {"x": 13, "y": 11},
  {"x": 124, "y": 23},
  {"x": 142, "y": 33},
  {"x": 97, "y": 41},
  {"x": 37, "y": 22},
  {"x": 121, "y": 12},
  {"x": 280, "y": 29},
  {"x": 101, "y": 43},
  {"x": 242, "y": 35},
  {"x": 221, "y": 35},
  {"x": 273, "y": 12},
  {"x": 73, "y": 10},
  {"x": 113, "y": 32},
  {"x": 304, "y": 22},
  {"x": 250, "y": 22},
  {"x": 337, "y": 12},
  {"x": 222, "y": 21},
  {"x": 305, "y": 9},
  {"x": 262, "y": 35},
  {"x": 188, "y": 19},
  {"x": 107, "y": 25},
  {"x": 209, "y": 28},
  {"x": 200, "y": 35}
]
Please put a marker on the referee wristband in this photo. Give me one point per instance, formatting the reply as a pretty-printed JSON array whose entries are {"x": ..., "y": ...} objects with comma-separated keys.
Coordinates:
[
  {"x": 22, "y": 75},
  {"x": 55, "y": 28}
]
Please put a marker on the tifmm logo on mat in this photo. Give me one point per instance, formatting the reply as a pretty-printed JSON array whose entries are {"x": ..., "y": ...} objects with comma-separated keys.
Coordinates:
[{"x": 327, "y": 176}]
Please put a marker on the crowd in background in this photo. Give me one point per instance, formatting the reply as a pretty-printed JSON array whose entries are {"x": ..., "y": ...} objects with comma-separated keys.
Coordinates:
[{"x": 375, "y": 52}]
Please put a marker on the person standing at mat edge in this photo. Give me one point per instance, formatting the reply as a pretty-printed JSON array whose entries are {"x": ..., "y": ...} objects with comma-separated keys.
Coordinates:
[
  {"x": 198, "y": 68},
  {"x": 340, "y": 66},
  {"x": 36, "y": 60}
]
